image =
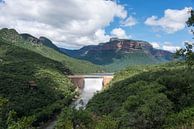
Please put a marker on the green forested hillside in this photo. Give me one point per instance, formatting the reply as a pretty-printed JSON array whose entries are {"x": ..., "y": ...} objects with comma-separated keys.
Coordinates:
[
  {"x": 150, "y": 97},
  {"x": 19, "y": 68}
]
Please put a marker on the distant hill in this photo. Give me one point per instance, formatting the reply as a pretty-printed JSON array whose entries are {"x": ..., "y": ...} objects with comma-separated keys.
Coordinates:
[{"x": 119, "y": 53}]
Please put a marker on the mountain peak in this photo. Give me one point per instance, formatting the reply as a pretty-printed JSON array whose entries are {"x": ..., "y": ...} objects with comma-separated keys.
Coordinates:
[{"x": 10, "y": 35}]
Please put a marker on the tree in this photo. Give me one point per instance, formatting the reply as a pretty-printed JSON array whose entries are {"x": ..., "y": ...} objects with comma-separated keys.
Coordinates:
[
  {"x": 187, "y": 52},
  {"x": 190, "y": 21}
]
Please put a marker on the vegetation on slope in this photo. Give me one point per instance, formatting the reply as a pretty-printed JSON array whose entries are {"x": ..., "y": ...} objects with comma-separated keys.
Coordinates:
[{"x": 50, "y": 91}]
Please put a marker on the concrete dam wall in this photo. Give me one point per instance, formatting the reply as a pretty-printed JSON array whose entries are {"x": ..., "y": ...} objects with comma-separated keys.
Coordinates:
[{"x": 79, "y": 80}]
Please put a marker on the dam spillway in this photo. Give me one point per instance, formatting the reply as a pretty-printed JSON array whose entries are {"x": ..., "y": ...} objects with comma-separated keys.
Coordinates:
[
  {"x": 89, "y": 85},
  {"x": 78, "y": 80}
]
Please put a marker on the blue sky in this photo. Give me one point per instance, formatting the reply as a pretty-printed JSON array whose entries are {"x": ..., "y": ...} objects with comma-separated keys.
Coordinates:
[
  {"x": 76, "y": 23},
  {"x": 142, "y": 10}
]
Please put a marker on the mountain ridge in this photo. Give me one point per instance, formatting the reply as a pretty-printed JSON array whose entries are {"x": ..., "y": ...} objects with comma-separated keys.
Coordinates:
[
  {"x": 41, "y": 40},
  {"x": 46, "y": 48},
  {"x": 112, "y": 56},
  {"x": 116, "y": 51}
]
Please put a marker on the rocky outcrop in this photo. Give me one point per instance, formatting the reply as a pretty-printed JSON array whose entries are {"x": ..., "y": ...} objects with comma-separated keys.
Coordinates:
[{"x": 121, "y": 44}]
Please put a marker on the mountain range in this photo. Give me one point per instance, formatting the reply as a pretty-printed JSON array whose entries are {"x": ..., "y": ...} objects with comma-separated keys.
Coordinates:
[
  {"x": 110, "y": 56},
  {"x": 119, "y": 53}
]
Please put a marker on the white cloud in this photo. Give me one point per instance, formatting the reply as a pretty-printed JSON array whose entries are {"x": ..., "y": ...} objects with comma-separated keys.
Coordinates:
[
  {"x": 169, "y": 47},
  {"x": 130, "y": 21},
  {"x": 69, "y": 22},
  {"x": 119, "y": 33},
  {"x": 100, "y": 36},
  {"x": 173, "y": 20},
  {"x": 155, "y": 45}
]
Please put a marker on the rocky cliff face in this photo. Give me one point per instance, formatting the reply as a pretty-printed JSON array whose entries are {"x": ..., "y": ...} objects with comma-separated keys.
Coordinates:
[{"x": 120, "y": 44}]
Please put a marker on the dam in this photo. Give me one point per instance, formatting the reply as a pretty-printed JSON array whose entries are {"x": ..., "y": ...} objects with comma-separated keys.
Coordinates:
[
  {"x": 89, "y": 85},
  {"x": 79, "y": 80}
]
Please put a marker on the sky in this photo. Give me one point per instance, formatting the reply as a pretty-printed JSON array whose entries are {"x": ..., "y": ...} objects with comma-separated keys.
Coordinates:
[{"x": 75, "y": 23}]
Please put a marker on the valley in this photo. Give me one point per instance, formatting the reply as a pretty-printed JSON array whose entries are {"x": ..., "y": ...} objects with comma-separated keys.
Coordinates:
[{"x": 118, "y": 84}]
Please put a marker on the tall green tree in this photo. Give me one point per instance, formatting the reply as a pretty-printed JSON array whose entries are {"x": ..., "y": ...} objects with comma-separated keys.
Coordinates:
[
  {"x": 190, "y": 21},
  {"x": 187, "y": 52}
]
